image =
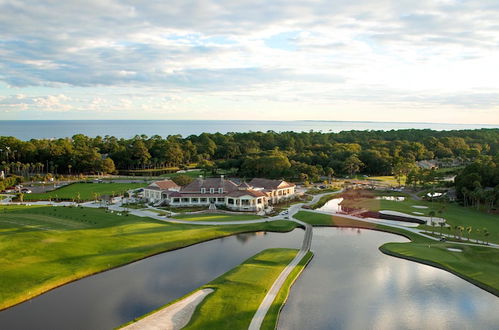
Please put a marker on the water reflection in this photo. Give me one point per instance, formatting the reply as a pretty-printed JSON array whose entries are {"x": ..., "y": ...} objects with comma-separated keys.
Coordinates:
[
  {"x": 332, "y": 205},
  {"x": 351, "y": 285},
  {"x": 109, "y": 299}
]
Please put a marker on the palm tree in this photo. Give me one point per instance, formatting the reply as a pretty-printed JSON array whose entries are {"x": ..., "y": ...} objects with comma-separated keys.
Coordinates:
[
  {"x": 21, "y": 197},
  {"x": 468, "y": 230},
  {"x": 485, "y": 233},
  {"x": 461, "y": 230},
  {"x": 431, "y": 214},
  {"x": 442, "y": 225}
]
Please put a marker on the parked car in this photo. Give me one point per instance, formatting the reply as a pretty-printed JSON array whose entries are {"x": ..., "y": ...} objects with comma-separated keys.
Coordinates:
[{"x": 26, "y": 191}]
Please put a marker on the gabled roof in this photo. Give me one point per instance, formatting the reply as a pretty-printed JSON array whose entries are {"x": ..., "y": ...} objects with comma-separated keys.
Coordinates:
[
  {"x": 247, "y": 192},
  {"x": 165, "y": 185},
  {"x": 244, "y": 185},
  {"x": 268, "y": 184},
  {"x": 215, "y": 183}
]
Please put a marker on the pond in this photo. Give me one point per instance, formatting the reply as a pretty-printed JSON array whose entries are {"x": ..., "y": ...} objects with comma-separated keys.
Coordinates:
[
  {"x": 332, "y": 205},
  {"x": 111, "y": 298},
  {"x": 350, "y": 284}
]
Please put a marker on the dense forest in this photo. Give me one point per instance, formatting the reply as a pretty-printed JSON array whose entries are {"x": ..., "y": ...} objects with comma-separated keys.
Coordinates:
[
  {"x": 477, "y": 185},
  {"x": 299, "y": 156}
]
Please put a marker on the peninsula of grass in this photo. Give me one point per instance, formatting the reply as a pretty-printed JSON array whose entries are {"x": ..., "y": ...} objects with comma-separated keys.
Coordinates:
[
  {"x": 217, "y": 217},
  {"x": 476, "y": 264},
  {"x": 84, "y": 191},
  {"x": 44, "y": 247},
  {"x": 239, "y": 292},
  {"x": 272, "y": 317}
]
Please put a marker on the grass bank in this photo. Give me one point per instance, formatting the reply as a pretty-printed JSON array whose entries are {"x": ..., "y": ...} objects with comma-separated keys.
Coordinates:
[
  {"x": 45, "y": 247},
  {"x": 272, "y": 317},
  {"x": 323, "y": 200},
  {"x": 476, "y": 264},
  {"x": 239, "y": 292},
  {"x": 84, "y": 191}
]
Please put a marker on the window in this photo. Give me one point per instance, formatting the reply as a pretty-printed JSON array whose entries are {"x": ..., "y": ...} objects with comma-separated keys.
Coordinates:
[
  {"x": 194, "y": 200},
  {"x": 221, "y": 200},
  {"x": 220, "y": 190},
  {"x": 212, "y": 190},
  {"x": 203, "y": 190},
  {"x": 176, "y": 200},
  {"x": 202, "y": 200}
]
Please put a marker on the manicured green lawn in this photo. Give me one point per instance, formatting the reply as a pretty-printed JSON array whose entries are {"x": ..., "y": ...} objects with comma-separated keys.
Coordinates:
[
  {"x": 87, "y": 191},
  {"x": 44, "y": 247},
  {"x": 454, "y": 214},
  {"x": 388, "y": 179},
  {"x": 479, "y": 265},
  {"x": 217, "y": 217},
  {"x": 239, "y": 292}
]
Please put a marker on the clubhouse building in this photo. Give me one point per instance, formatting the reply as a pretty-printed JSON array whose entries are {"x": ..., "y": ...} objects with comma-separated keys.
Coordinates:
[{"x": 254, "y": 196}]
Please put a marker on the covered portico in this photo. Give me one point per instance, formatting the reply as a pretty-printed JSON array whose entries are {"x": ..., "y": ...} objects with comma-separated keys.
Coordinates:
[{"x": 246, "y": 201}]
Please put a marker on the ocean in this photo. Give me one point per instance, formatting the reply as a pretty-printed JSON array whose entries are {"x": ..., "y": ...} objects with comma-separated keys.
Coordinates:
[{"x": 37, "y": 129}]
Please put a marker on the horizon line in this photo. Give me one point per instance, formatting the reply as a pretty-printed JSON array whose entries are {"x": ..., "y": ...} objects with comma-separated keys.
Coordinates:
[{"x": 259, "y": 120}]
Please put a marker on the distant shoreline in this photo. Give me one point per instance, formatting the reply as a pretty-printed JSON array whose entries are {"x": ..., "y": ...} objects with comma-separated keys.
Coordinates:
[{"x": 40, "y": 129}]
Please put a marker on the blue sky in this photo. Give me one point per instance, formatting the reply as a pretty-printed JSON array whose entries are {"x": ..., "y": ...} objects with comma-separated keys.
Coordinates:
[{"x": 431, "y": 61}]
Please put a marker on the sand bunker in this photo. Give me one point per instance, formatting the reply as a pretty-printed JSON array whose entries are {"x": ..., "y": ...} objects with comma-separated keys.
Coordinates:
[
  {"x": 454, "y": 250},
  {"x": 420, "y": 206},
  {"x": 173, "y": 317}
]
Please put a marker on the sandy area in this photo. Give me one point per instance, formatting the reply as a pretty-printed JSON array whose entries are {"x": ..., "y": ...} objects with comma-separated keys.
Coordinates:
[
  {"x": 454, "y": 250},
  {"x": 173, "y": 317},
  {"x": 420, "y": 206}
]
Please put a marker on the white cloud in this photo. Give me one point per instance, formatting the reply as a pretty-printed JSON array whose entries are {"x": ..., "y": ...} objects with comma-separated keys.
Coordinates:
[{"x": 404, "y": 54}]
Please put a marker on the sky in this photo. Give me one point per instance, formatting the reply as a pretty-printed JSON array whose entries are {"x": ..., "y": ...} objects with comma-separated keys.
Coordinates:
[{"x": 373, "y": 60}]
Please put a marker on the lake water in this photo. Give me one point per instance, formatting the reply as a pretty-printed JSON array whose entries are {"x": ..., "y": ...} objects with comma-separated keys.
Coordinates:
[
  {"x": 110, "y": 299},
  {"x": 332, "y": 205},
  {"x": 35, "y": 129},
  {"x": 349, "y": 284}
]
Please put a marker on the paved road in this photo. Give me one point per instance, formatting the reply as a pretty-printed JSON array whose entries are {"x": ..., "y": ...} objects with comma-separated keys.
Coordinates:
[{"x": 257, "y": 320}]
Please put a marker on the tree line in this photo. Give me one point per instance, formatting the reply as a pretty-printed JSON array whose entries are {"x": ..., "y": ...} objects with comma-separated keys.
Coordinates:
[
  {"x": 477, "y": 185},
  {"x": 291, "y": 155}
]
